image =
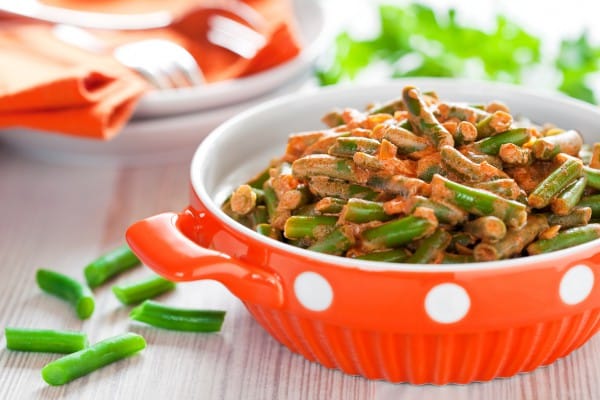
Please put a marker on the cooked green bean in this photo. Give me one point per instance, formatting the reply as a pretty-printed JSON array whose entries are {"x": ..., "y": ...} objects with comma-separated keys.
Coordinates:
[
  {"x": 468, "y": 170},
  {"x": 397, "y": 184},
  {"x": 423, "y": 120},
  {"x": 44, "y": 340},
  {"x": 581, "y": 215},
  {"x": 479, "y": 202},
  {"x": 513, "y": 242},
  {"x": 592, "y": 202},
  {"x": 593, "y": 177},
  {"x": 300, "y": 226},
  {"x": 269, "y": 231},
  {"x": 337, "y": 242},
  {"x": 67, "y": 288},
  {"x": 136, "y": 292},
  {"x": 451, "y": 258},
  {"x": 514, "y": 155},
  {"x": 406, "y": 141},
  {"x": 324, "y": 186},
  {"x": 178, "y": 319},
  {"x": 360, "y": 211},
  {"x": 445, "y": 213},
  {"x": 431, "y": 249},
  {"x": 330, "y": 205},
  {"x": 566, "y": 201},
  {"x": 507, "y": 188},
  {"x": 497, "y": 122},
  {"x": 109, "y": 265},
  {"x": 394, "y": 255},
  {"x": 554, "y": 183},
  {"x": 568, "y": 238},
  {"x": 397, "y": 232},
  {"x": 568, "y": 142},
  {"x": 347, "y": 146},
  {"x": 492, "y": 144},
  {"x": 333, "y": 167},
  {"x": 489, "y": 229},
  {"x": 82, "y": 362}
]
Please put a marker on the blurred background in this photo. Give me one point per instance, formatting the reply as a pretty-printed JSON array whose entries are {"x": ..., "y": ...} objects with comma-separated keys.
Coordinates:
[{"x": 549, "y": 45}]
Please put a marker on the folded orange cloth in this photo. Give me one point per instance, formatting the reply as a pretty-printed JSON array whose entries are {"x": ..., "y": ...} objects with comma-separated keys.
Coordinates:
[{"x": 49, "y": 85}]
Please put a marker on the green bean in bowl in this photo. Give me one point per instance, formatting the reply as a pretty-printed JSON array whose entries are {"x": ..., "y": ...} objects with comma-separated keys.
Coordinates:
[{"x": 419, "y": 179}]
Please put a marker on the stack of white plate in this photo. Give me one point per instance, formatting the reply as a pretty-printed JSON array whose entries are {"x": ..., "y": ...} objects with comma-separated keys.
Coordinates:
[{"x": 168, "y": 125}]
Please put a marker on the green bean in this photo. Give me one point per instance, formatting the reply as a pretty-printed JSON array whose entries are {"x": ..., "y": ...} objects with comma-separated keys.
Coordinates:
[
  {"x": 347, "y": 146},
  {"x": 566, "y": 201},
  {"x": 465, "y": 132},
  {"x": 44, "y": 340},
  {"x": 178, "y": 319},
  {"x": 323, "y": 186},
  {"x": 109, "y": 265},
  {"x": 245, "y": 198},
  {"x": 330, "y": 205},
  {"x": 497, "y": 122},
  {"x": 259, "y": 180},
  {"x": 81, "y": 363},
  {"x": 568, "y": 238},
  {"x": 336, "y": 243},
  {"x": 143, "y": 290},
  {"x": 394, "y": 255},
  {"x": 431, "y": 249},
  {"x": 592, "y": 202},
  {"x": 506, "y": 188},
  {"x": 460, "y": 111},
  {"x": 406, "y": 141},
  {"x": 271, "y": 200},
  {"x": 423, "y": 119},
  {"x": 560, "y": 178},
  {"x": 360, "y": 211},
  {"x": 312, "y": 227},
  {"x": 397, "y": 184},
  {"x": 466, "y": 169},
  {"x": 445, "y": 213},
  {"x": 514, "y": 155},
  {"x": 491, "y": 145},
  {"x": 478, "y": 202},
  {"x": 489, "y": 229},
  {"x": 269, "y": 231},
  {"x": 397, "y": 232},
  {"x": 67, "y": 288},
  {"x": 580, "y": 215},
  {"x": 513, "y": 242},
  {"x": 461, "y": 241},
  {"x": 568, "y": 142},
  {"x": 451, "y": 258},
  {"x": 593, "y": 177},
  {"x": 333, "y": 167}
]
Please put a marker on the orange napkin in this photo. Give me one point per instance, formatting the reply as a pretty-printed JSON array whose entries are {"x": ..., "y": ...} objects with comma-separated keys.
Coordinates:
[{"x": 49, "y": 85}]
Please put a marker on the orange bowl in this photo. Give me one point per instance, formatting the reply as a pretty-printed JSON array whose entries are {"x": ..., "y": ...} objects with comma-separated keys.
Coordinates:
[{"x": 399, "y": 322}]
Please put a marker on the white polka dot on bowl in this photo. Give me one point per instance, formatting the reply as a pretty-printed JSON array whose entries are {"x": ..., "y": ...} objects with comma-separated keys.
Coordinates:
[
  {"x": 447, "y": 303},
  {"x": 313, "y": 291},
  {"x": 576, "y": 284}
]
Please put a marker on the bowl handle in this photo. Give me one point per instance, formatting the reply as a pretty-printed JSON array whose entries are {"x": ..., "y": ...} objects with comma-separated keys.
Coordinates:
[{"x": 161, "y": 245}]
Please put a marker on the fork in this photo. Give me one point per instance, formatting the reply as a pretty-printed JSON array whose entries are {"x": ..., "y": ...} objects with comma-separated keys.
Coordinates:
[
  {"x": 174, "y": 66},
  {"x": 163, "y": 63}
]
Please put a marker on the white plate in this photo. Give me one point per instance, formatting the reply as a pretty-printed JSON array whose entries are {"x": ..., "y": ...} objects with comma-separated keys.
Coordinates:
[{"x": 314, "y": 33}]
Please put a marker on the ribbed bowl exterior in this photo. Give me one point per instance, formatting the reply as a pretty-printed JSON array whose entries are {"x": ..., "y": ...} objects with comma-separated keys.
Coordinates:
[{"x": 436, "y": 359}]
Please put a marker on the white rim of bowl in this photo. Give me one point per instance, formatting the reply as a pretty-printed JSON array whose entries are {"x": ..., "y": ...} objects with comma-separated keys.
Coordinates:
[{"x": 366, "y": 265}]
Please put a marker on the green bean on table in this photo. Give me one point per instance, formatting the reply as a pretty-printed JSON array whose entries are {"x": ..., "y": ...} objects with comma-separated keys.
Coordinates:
[
  {"x": 80, "y": 363},
  {"x": 148, "y": 288},
  {"x": 109, "y": 265},
  {"x": 67, "y": 288},
  {"x": 178, "y": 319},
  {"x": 44, "y": 340}
]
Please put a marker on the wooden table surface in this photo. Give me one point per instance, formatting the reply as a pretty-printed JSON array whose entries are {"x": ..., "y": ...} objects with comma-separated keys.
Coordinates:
[{"x": 63, "y": 216}]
